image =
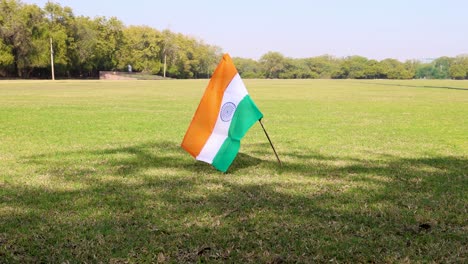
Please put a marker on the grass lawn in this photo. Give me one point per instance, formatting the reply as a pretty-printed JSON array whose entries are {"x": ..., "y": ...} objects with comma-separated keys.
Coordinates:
[{"x": 374, "y": 171}]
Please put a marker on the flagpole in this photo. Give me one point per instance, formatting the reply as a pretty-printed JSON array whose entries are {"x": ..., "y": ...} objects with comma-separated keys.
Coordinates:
[{"x": 271, "y": 144}]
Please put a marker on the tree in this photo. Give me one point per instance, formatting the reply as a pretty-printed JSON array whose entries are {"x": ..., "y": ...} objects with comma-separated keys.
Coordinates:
[
  {"x": 191, "y": 57},
  {"x": 169, "y": 49},
  {"x": 6, "y": 58},
  {"x": 410, "y": 67},
  {"x": 61, "y": 29},
  {"x": 84, "y": 46},
  {"x": 208, "y": 57},
  {"x": 394, "y": 69},
  {"x": 373, "y": 69},
  {"x": 248, "y": 68},
  {"x": 141, "y": 49},
  {"x": 185, "y": 60},
  {"x": 273, "y": 63},
  {"x": 424, "y": 71},
  {"x": 441, "y": 68},
  {"x": 295, "y": 69},
  {"x": 355, "y": 67},
  {"x": 22, "y": 28},
  {"x": 109, "y": 40},
  {"x": 85, "y": 39},
  {"x": 322, "y": 66},
  {"x": 459, "y": 68}
]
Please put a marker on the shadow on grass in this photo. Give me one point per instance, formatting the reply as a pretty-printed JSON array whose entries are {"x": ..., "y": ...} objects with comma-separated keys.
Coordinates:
[
  {"x": 128, "y": 160},
  {"x": 152, "y": 203},
  {"x": 418, "y": 86}
]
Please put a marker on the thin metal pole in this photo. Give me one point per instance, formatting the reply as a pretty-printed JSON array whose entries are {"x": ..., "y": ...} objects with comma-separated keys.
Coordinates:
[
  {"x": 52, "y": 59},
  {"x": 271, "y": 144},
  {"x": 164, "y": 65}
]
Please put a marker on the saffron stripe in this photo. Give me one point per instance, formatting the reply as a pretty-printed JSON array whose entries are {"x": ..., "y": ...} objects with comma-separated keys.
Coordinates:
[{"x": 206, "y": 115}]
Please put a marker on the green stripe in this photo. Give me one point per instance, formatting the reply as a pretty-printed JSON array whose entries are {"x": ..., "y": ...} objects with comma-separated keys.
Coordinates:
[{"x": 245, "y": 116}]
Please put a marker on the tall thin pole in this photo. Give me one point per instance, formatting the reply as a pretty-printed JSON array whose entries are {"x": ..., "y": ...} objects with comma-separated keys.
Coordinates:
[
  {"x": 52, "y": 59},
  {"x": 164, "y": 65},
  {"x": 271, "y": 144}
]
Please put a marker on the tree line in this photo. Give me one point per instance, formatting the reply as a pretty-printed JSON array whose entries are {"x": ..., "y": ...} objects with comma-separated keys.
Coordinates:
[
  {"x": 275, "y": 65},
  {"x": 83, "y": 46}
]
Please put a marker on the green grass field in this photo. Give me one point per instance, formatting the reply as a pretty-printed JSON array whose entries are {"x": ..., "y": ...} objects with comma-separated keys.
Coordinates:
[{"x": 374, "y": 171}]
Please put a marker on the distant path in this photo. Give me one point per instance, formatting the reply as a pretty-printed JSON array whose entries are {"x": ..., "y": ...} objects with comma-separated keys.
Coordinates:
[{"x": 418, "y": 86}]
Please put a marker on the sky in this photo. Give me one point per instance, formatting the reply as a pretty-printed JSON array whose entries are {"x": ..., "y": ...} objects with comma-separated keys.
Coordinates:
[{"x": 376, "y": 29}]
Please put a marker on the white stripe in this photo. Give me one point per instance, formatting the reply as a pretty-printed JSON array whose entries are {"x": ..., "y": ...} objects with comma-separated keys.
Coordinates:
[{"x": 234, "y": 93}]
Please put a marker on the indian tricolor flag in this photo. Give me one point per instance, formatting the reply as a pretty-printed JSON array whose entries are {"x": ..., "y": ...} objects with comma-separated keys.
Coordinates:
[{"x": 224, "y": 115}]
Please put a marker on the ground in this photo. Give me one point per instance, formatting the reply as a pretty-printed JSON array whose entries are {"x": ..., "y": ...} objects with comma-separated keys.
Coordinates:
[{"x": 374, "y": 171}]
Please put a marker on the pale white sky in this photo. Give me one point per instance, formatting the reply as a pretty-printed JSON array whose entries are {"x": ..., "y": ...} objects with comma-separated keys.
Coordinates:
[{"x": 401, "y": 29}]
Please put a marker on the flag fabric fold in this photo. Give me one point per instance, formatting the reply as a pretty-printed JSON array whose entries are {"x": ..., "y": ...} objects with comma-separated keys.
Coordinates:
[{"x": 225, "y": 114}]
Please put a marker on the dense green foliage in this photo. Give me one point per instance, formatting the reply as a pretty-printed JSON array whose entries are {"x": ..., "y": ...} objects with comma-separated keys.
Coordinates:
[
  {"x": 84, "y": 46},
  {"x": 374, "y": 172},
  {"x": 275, "y": 65}
]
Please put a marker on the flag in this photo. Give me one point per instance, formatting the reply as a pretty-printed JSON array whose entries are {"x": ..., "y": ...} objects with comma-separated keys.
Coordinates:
[{"x": 225, "y": 113}]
